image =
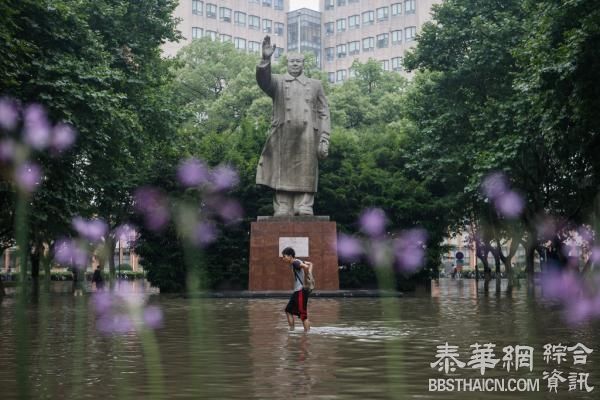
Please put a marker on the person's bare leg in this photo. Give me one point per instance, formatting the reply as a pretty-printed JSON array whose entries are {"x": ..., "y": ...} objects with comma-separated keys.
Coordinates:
[
  {"x": 306, "y": 325},
  {"x": 290, "y": 319}
]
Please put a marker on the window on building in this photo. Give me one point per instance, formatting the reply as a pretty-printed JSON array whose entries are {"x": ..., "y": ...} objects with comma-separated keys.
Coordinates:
[
  {"x": 267, "y": 25},
  {"x": 353, "y": 1},
  {"x": 385, "y": 65},
  {"x": 341, "y": 2},
  {"x": 225, "y": 14},
  {"x": 329, "y": 54},
  {"x": 353, "y": 21},
  {"x": 396, "y": 37},
  {"x": 410, "y": 33},
  {"x": 253, "y": 22},
  {"x": 240, "y": 18},
  {"x": 397, "y": 64},
  {"x": 278, "y": 5},
  {"x": 383, "y": 41},
  {"x": 368, "y": 17},
  {"x": 254, "y": 47},
  {"x": 267, "y": 3},
  {"x": 329, "y": 4},
  {"x": 368, "y": 44},
  {"x": 351, "y": 73},
  {"x": 197, "y": 7},
  {"x": 225, "y": 38},
  {"x": 278, "y": 28},
  {"x": 278, "y": 53},
  {"x": 382, "y": 13},
  {"x": 396, "y": 9},
  {"x": 340, "y": 50},
  {"x": 354, "y": 47},
  {"x": 211, "y": 10},
  {"x": 340, "y": 75},
  {"x": 211, "y": 34},
  {"x": 254, "y": 1},
  {"x": 409, "y": 6},
  {"x": 196, "y": 33},
  {"x": 239, "y": 43},
  {"x": 341, "y": 24},
  {"x": 331, "y": 77},
  {"x": 329, "y": 29}
]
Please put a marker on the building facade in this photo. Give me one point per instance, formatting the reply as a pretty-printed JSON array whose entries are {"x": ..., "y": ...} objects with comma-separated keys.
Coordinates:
[
  {"x": 304, "y": 32},
  {"x": 241, "y": 22},
  {"x": 362, "y": 29}
]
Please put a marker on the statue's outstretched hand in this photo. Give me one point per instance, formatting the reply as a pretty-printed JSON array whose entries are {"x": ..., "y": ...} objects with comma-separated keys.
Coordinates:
[{"x": 267, "y": 48}]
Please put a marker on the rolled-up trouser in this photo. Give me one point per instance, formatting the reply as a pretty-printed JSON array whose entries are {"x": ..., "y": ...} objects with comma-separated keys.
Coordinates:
[{"x": 293, "y": 203}]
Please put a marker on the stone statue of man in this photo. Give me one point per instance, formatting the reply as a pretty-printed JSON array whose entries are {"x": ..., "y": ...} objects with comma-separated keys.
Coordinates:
[{"x": 299, "y": 134}]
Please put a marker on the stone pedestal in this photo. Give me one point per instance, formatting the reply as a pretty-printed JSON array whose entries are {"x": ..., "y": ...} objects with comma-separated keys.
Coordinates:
[{"x": 314, "y": 239}]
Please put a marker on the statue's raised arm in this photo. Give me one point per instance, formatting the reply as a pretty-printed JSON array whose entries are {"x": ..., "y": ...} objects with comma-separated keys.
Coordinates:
[{"x": 267, "y": 48}]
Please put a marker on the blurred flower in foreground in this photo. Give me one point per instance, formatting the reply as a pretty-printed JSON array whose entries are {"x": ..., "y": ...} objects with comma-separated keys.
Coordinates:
[
  {"x": 124, "y": 232},
  {"x": 192, "y": 172},
  {"x": 9, "y": 114},
  {"x": 508, "y": 203},
  {"x": 28, "y": 176},
  {"x": 409, "y": 249},
  {"x": 580, "y": 297},
  {"x": 154, "y": 206},
  {"x": 63, "y": 137},
  {"x": 372, "y": 222},
  {"x": 93, "y": 230},
  {"x": 349, "y": 249},
  {"x": 204, "y": 233},
  {"x": 124, "y": 312},
  {"x": 36, "y": 127},
  {"x": 224, "y": 178},
  {"x": 7, "y": 150},
  {"x": 68, "y": 252}
]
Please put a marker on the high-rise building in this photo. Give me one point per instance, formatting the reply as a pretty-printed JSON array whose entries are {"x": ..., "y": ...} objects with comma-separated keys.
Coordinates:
[
  {"x": 344, "y": 30},
  {"x": 304, "y": 32},
  {"x": 242, "y": 22},
  {"x": 363, "y": 29}
]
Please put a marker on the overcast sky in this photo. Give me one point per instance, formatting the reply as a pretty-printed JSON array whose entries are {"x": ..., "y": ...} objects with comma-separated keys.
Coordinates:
[{"x": 296, "y": 4}]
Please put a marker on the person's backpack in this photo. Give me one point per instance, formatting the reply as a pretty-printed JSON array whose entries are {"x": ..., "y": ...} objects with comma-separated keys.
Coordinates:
[{"x": 309, "y": 279}]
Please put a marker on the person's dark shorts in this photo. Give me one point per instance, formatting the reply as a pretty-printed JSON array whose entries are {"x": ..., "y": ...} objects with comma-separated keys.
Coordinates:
[{"x": 298, "y": 304}]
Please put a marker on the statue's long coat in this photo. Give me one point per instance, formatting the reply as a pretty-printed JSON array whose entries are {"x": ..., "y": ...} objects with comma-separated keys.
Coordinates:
[{"x": 300, "y": 119}]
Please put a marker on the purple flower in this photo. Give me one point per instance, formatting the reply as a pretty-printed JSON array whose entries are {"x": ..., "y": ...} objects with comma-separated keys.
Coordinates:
[
  {"x": 125, "y": 232},
  {"x": 510, "y": 204},
  {"x": 92, "y": 230},
  {"x": 595, "y": 254},
  {"x": 204, "y": 233},
  {"x": 372, "y": 222},
  {"x": 103, "y": 301},
  {"x": 63, "y": 137},
  {"x": 68, "y": 252},
  {"x": 229, "y": 210},
  {"x": 349, "y": 248},
  {"x": 153, "y": 317},
  {"x": 192, "y": 172},
  {"x": 586, "y": 233},
  {"x": 561, "y": 285},
  {"x": 9, "y": 114},
  {"x": 37, "y": 127},
  {"x": 7, "y": 150},
  {"x": 115, "y": 323},
  {"x": 409, "y": 249},
  {"x": 224, "y": 178},
  {"x": 579, "y": 311},
  {"x": 153, "y": 205},
  {"x": 494, "y": 185},
  {"x": 28, "y": 176}
]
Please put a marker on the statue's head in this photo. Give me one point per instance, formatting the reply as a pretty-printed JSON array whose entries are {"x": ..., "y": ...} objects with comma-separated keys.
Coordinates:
[{"x": 295, "y": 64}]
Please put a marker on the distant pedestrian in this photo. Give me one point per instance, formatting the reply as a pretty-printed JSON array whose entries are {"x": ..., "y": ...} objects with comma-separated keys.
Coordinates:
[
  {"x": 98, "y": 279},
  {"x": 298, "y": 304}
]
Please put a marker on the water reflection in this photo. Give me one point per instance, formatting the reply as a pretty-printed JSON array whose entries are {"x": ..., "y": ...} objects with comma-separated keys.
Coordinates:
[{"x": 241, "y": 348}]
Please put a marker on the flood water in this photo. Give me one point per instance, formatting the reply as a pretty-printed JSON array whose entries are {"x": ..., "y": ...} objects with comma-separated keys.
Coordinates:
[{"x": 366, "y": 348}]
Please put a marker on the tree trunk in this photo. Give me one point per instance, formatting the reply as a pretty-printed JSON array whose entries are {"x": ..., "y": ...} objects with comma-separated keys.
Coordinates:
[
  {"x": 110, "y": 244},
  {"x": 529, "y": 260}
]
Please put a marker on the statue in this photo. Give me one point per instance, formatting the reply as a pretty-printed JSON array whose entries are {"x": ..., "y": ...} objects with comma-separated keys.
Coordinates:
[{"x": 299, "y": 134}]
